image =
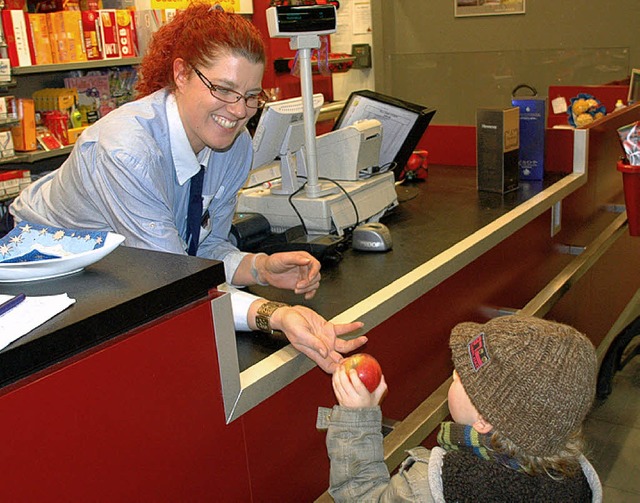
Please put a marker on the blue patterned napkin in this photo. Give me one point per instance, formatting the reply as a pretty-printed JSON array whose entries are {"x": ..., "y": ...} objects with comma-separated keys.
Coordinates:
[{"x": 29, "y": 242}]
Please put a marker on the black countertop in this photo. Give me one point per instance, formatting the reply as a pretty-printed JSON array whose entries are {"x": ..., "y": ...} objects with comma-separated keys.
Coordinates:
[
  {"x": 433, "y": 215},
  {"x": 130, "y": 286},
  {"x": 126, "y": 289}
]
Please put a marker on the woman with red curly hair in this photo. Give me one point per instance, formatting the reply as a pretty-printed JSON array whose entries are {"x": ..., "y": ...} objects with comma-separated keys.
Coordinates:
[{"x": 135, "y": 171}]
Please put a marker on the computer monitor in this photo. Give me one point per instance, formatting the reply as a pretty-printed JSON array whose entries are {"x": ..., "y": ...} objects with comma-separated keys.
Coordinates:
[
  {"x": 403, "y": 123},
  {"x": 280, "y": 129}
]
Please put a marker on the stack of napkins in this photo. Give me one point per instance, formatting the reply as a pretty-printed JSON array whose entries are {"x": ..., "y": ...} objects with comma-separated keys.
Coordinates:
[{"x": 29, "y": 314}]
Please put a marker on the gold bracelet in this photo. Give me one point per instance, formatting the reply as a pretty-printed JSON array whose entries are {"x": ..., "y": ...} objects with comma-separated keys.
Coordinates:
[{"x": 263, "y": 316}]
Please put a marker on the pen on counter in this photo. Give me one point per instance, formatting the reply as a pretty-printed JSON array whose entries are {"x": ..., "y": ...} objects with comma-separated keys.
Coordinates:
[{"x": 8, "y": 305}]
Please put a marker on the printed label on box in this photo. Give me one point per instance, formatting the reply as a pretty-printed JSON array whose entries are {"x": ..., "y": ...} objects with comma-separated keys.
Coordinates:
[{"x": 532, "y": 131}]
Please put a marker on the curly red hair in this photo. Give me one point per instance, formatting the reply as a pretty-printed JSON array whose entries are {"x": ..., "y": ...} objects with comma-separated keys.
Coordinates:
[{"x": 198, "y": 34}]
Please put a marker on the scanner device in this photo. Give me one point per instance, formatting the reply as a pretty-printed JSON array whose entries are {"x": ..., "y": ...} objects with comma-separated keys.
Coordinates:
[{"x": 371, "y": 237}]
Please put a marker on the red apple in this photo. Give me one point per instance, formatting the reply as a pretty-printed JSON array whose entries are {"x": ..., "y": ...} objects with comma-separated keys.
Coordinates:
[
  {"x": 368, "y": 369},
  {"x": 414, "y": 162}
]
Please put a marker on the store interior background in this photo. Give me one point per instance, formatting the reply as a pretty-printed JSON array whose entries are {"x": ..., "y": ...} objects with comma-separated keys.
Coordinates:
[{"x": 422, "y": 53}]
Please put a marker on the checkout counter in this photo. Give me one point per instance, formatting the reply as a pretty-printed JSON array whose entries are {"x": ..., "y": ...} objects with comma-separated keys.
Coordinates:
[{"x": 142, "y": 391}]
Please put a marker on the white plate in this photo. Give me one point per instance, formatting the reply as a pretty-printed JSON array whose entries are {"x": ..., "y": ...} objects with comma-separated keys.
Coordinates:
[{"x": 52, "y": 268}]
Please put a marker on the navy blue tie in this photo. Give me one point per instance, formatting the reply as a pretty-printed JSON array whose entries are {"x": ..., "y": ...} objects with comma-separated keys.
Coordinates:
[{"x": 194, "y": 213}]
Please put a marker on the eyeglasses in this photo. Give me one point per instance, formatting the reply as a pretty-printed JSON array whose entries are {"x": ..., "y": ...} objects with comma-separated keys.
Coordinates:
[{"x": 230, "y": 96}]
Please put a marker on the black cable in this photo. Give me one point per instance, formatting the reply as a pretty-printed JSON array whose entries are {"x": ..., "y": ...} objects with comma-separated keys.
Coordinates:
[
  {"x": 353, "y": 203},
  {"x": 377, "y": 170},
  {"x": 290, "y": 199}
]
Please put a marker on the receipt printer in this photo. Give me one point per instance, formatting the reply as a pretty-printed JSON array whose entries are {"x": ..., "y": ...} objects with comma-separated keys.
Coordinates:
[{"x": 343, "y": 153}]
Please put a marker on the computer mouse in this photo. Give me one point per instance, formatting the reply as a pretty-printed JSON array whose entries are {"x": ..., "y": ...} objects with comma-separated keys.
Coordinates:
[{"x": 372, "y": 236}]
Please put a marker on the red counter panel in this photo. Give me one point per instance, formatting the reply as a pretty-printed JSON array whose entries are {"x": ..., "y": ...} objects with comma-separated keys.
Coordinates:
[{"x": 138, "y": 420}]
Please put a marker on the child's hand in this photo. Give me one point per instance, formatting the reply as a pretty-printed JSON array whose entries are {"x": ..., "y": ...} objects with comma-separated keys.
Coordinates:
[{"x": 351, "y": 392}]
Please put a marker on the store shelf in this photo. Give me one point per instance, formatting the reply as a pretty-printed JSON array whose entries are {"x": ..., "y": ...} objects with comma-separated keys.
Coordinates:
[
  {"x": 36, "y": 155},
  {"x": 6, "y": 85},
  {"x": 9, "y": 122},
  {"x": 66, "y": 67}
]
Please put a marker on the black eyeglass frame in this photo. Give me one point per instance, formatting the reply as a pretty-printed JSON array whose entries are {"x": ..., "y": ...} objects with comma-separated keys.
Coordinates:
[{"x": 261, "y": 98}]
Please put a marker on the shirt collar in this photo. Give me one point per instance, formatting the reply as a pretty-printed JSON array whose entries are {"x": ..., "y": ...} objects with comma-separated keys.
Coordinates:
[{"x": 185, "y": 161}]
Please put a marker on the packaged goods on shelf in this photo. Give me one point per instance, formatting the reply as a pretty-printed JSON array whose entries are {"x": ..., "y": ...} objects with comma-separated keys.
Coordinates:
[
  {"x": 109, "y": 34},
  {"x": 6, "y": 145},
  {"x": 57, "y": 123},
  {"x": 122, "y": 81},
  {"x": 8, "y": 108},
  {"x": 24, "y": 133},
  {"x": 67, "y": 39},
  {"x": 12, "y": 182},
  {"x": 126, "y": 33},
  {"x": 16, "y": 34},
  {"x": 5, "y": 70},
  {"x": 94, "y": 96},
  {"x": 46, "y": 139},
  {"x": 91, "y": 34},
  {"x": 41, "y": 41},
  {"x": 55, "y": 98}
]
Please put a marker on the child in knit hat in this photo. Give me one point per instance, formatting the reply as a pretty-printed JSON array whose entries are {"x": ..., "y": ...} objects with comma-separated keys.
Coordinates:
[{"x": 521, "y": 389}]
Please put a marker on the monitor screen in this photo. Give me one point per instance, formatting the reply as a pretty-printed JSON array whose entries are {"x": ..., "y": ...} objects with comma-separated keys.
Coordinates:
[
  {"x": 403, "y": 123},
  {"x": 280, "y": 129}
]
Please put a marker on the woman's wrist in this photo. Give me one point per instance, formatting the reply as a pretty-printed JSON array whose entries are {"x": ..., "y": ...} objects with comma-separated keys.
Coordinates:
[
  {"x": 255, "y": 274},
  {"x": 264, "y": 316}
]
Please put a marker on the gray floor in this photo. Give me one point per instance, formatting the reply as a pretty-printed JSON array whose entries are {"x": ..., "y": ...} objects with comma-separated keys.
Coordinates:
[{"x": 613, "y": 436}]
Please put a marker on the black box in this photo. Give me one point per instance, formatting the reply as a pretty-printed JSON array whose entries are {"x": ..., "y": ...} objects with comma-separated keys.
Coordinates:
[{"x": 498, "y": 144}]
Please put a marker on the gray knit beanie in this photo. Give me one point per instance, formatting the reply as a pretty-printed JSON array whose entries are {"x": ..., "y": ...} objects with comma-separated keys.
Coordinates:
[{"x": 532, "y": 379}]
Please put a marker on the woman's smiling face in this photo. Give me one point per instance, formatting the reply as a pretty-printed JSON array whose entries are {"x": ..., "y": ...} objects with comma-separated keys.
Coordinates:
[{"x": 207, "y": 120}]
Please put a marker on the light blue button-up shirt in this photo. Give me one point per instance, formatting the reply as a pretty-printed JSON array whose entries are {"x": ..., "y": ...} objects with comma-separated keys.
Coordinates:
[{"x": 128, "y": 174}]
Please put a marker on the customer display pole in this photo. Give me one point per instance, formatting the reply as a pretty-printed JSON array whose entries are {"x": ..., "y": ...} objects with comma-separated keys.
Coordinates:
[
  {"x": 303, "y": 25},
  {"x": 303, "y": 44}
]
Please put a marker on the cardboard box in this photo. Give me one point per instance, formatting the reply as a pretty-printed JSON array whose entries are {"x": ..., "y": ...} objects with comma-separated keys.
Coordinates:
[
  {"x": 8, "y": 108},
  {"x": 532, "y": 131},
  {"x": 24, "y": 134},
  {"x": 126, "y": 33},
  {"x": 6, "y": 145},
  {"x": 16, "y": 34},
  {"x": 497, "y": 136},
  {"x": 40, "y": 38},
  {"x": 5, "y": 70},
  {"x": 91, "y": 34},
  {"x": 109, "y": 34},
  {"x": 74, "y": 133},
  {"x": 67, "y": 39},
  {"x": 12, "y": 182}
]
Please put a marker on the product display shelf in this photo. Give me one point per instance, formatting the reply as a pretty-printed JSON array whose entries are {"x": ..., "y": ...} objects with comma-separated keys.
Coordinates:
[
  {"x": 81, "y": 65},
  {"x": 5, "y": 86},
  {"x": 35, "y": 156},
  {"x": 8, "y": 122}
]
